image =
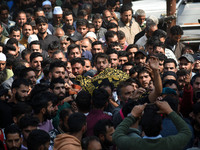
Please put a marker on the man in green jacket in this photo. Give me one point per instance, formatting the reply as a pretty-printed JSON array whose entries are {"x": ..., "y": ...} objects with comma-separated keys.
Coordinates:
[{"x": 175, "y": 142}]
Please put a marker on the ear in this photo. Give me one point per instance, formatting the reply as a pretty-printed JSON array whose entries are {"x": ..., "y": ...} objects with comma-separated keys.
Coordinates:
[
  {"x": 43, "y": 110},
  {"x": 15, "y": 120},
  {"x": 84, "y": 128},
  {"x": 14, "y": 91}
]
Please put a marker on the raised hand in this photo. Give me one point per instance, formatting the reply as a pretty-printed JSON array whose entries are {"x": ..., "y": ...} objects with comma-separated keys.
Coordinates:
[{"x": 154, "y": 62}]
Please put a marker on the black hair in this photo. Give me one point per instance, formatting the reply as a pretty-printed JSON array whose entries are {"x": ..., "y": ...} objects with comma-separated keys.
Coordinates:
[
  {"x": 12, "y": 41},
  {"x": 4, "y": 7},
  {"x": 41, "y": 19},
  {"x": 126, "y": 8},
  {"x": 121, "y": 35},
  {"x": 34, "y": 55},
  {"x": 35, "y": 42},
  {"x": 25, "y": 52},
  {"x": 76, "y": 121},
  {"x": 41, "y": 100},
  {"x": 67, "y": 13},
  {"x": 111, "y": 25},
  {"x": 100, "y": 97},
  {"x": 12, "y": 129},
  {"x": 55, "y": 81},
  {"x": 100, "y": 126},
  {"x": 55, "y": 64},
  {"x": 172, "y": 101},
  {"x": 151, "y": 121},
  {"x": 182, "y": 72},
  {"x": 14, "y": 28},
  {"x": 24, "y": 72},
  {"x": 110, "y": 34},
  {"x": 97, "y": 43},
  {"x": 160, "y": 33},
  {"x": 170, "y": 60},
  {"x": 82, "y": 22},
  {"x": 123, "y": 54},
  {"x": 111, "y": 51},
  {"x": 82, "y": 13},
  {"x": 54, "y": 45},
  {"x": 63, "y": 113},
  {"x": 21, "y": 108},
  {"x": 196, "y": 108},
  {"x": 83, "y": 101},
  {"x": 37, "y": 138},
  {"x": 101, "y": 55},
  {"x": 38, "y": 88},
  {"x": 159, "y": 44},
  {"x": 176, "y": 30},
  {"x": 96, "y": 16},
  {"x": 131, "y": 46},
  {"x": 195, "y": 77},
  {"x": 170, "y": 82},
  {"x": 72, "y": 46},
  {"x": 128, "y": 64},
  {"x": 19, "y": 81},
  {"x": 27, "y": 121}
]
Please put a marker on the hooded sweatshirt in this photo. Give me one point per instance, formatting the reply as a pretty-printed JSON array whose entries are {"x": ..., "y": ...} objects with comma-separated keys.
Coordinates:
[{"x": 66, "y": 142}]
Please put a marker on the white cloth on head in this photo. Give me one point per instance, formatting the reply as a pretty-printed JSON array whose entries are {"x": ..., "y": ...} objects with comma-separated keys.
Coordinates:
[
  {"x": 2, "y": 57},
  {"x": 46, "y": 3},
  {"x": 57, "y": 10}
]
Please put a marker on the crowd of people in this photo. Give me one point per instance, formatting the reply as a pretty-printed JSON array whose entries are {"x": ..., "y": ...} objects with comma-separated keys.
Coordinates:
[{"x": 55, "y": 91}]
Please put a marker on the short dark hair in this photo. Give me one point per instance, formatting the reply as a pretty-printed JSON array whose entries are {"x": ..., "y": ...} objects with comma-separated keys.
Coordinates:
[
  {"x": 41, "y": 19},
  {"x": 54, "y": 45},
  {"x": 160, "y": 33},
  {"x": 100, "y": 126},
  {"x": 34, "y": 55},
  {"x": 28, "y": 120},
  {"x": 14, "y": 28},
  {"x": 120, "y": 86},
  {"x": 111, "y": 25},
  {"x": 77, "y": 60},
  {"x": 41, "y": 100},
  {"x": 170, "y": 60},
  {"x": 123, "y": 54},
  {"x": 55, "y": 64},
  {"x": 111, "y": 51},
  {"x": 24, "y": 72},
  {"x": 126, "y": 8},
  {"x": 100, "y": 98},
  {"x": 12, "y": 129},
  {"x": 121, "y": 35},
  {"x": 72, "y": 46},
  {"x": 151, "y": 121},
  {"x": 97, "y": 43},
  {"x": 132, "y": 46},
  {"x": 21, "y": 108},
  {"x": 170, "y": 82},
  {"x": 110, "y": 34},
  {"x": 37, "y": 138},
  {"x": 83, "y": 100},
  {"x": 101, "y": 55},
  {"x": 196, "y": 108},
  {"x": 82, "y": 22},
  {"x": 76, "y": 121},
  {"x": 82, "y": 13},
  {"x": 159, "y": 44},
  {"x": 96, "y": 16},
  {"x": 176, "y": 30},
  {"x": 55, "y": 81},
  {"x": 4, "y": 7},
  {"x": 67, "y": 13},
  {"x": 35, "y": 42},
  {"x": 12, "y": 41},
  {"x": 25, "y": 52},
  {"x": 86, "y": 141},
  {"x": 19, "y": 81}
]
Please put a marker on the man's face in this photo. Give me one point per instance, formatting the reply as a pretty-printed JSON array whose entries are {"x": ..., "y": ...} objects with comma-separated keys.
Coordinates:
[
  {"x": 126, "y": 93},
  {"x": 82, "y": 30},
  {"x": 57, "y": 19},
  {"x": 27, "y": 30},
  {"x": 97, "y": 49},
  {"x": 149, "y": 49},
  {"x": 69, "y": 20},
  {"x": 39, "y": 14},
  {"x": 26, "y": 131},
  {"x": 101, "y": 64},
  {"x": 161, "y": 67},
  {"x": 13, "y": 141},
  {"x": 60, "y": 56},
  {"x": 21, "y": 19},
  {"x": 42, "y": 28},
  {"x": 59, "y": 90},
  {"x": 174, "y": 87},
  {"x": 31, "y": 77},
  {"x": 58, "y": 72},
  {"x": 107, "y": 16},
  {"x": 87, "y": 66},
  {"x": 127, "y": 68},
  {"x": 170, "y": 67},
  {"x": 185, "y": 64},
  {"x": 77, "y": 69},
  {"x": 132, "y": 52},
  {"x": 97, "y": 23},
  {"x": 108, "y": 136},
  {"x": 4, "y": 15},
  {"x": 47, "y": 8},
  {"x": 140, "y": 59},
  {"x": 36, "y": 63},
  {"x": 175, "y": 38},
  {"x": 114, "y": 60},
  {"x": 74, "y": 53},
  {"x": 181, "y": 82},
  {"x": 36, "y": 48},
  {"x": 123, "y": 42},
  {"x": 126, "y": 16},
  {"x": 144, "y": 79},
  {"x": 140, "y": 19},
  {"x": 64, "y": 44},
  {"x": 112, "y": 40},
  {"x": 16, "y": 35},
  {"x": 123, "y": 60},
  {"x": 21, "y": 93},
  {"x": 2, "y": 65},
  {"x": 196, "y": 85},
  {"x": 50, "y": 111},
  {"x": 86, "y": 45},
  {"x": 159, "y": 50}
]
